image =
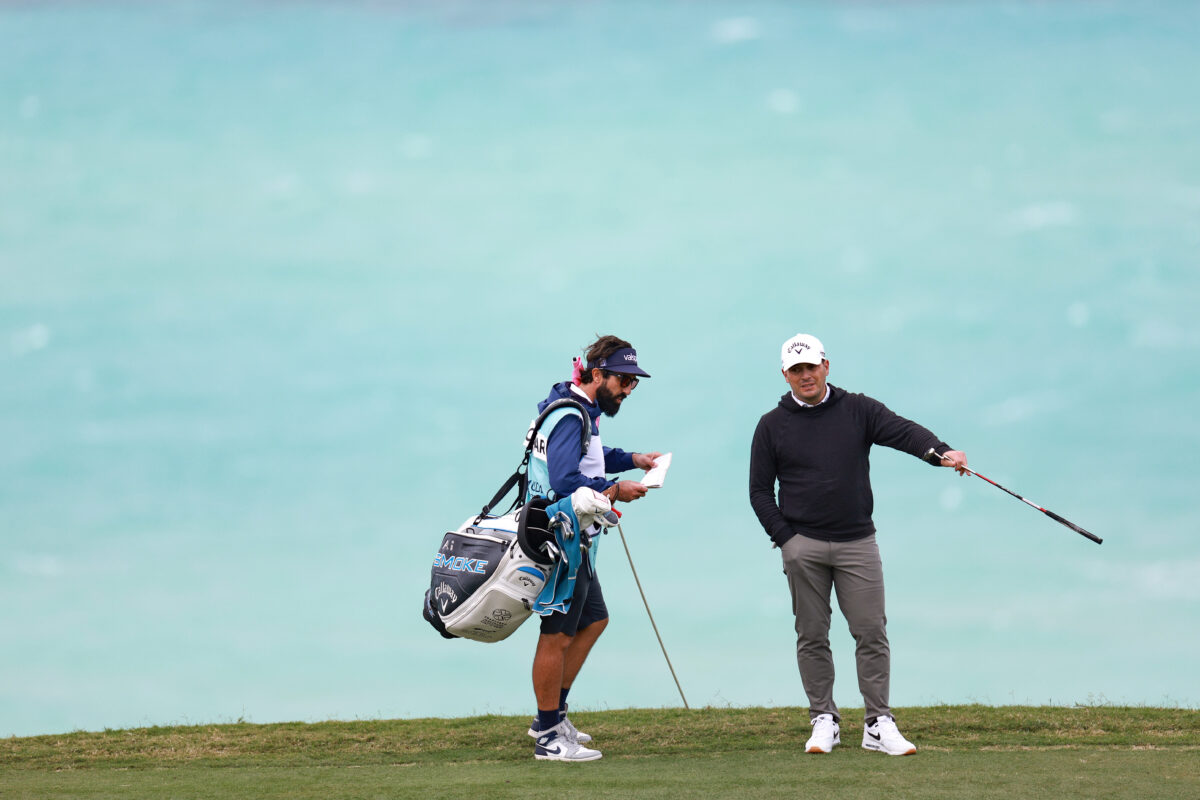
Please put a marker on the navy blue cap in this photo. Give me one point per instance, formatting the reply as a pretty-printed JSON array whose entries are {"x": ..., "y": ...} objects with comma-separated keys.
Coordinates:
[{"x": 623, "y": 360}]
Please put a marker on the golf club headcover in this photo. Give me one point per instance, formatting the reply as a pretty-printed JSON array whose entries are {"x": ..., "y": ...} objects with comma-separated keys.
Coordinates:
[{"x": 591, "y": 506}]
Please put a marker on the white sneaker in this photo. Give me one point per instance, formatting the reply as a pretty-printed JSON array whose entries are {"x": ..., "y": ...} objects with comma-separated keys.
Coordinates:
[
  {"x": 576, "y": 735},
  {"x": 826, "y": 733},
  {"x": 885, "y": 737},
  {"x": 556, "y": 745}
]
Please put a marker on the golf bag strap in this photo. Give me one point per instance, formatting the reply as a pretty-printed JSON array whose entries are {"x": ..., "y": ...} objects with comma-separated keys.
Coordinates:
[
  {"x": 520, "y": 477},
  {"x": 516, "y": 478}
]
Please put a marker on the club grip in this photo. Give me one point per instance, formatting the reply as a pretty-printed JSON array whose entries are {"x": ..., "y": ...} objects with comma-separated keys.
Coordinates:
[{"x": 1073, "y": 527}]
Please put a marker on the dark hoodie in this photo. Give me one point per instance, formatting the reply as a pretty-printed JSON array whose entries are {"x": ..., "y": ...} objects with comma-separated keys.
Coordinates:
[{"x": 819, "y": 456}]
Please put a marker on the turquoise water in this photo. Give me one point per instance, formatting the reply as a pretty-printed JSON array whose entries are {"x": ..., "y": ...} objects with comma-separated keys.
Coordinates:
[{"x": 281, "y": 283}]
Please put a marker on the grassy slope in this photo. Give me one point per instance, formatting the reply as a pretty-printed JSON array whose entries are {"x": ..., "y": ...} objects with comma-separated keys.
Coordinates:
[{"x": 965, "y": 751}]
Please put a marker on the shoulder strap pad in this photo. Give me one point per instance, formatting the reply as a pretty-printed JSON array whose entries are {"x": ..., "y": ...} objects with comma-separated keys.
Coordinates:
[{"x": 585, "y": 435}]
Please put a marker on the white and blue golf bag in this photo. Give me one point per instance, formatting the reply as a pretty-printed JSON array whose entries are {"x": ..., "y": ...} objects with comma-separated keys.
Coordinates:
[{"x": 488, "y": 573}]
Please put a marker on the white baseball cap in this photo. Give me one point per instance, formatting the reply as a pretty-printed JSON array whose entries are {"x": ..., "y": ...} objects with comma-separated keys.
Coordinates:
[{"x": 802, "y": 349}]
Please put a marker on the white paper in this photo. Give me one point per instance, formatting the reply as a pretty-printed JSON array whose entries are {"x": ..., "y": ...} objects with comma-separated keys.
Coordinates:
[{"x": 655, "y": 477}]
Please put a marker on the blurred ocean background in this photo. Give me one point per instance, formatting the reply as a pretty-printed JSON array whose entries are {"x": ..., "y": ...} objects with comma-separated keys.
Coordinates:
[{"x": 281, "y": 283}]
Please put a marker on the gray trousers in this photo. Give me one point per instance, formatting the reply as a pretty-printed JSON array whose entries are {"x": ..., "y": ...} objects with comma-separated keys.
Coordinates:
[{"x": 854, "y": 570}]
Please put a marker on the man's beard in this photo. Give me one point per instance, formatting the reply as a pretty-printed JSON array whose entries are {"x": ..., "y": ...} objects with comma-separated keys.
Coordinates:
[{"x": 607, "y": 401}]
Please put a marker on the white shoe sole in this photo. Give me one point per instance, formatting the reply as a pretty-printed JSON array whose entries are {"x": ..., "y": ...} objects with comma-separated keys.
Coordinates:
[
  {"x": 878, "y": 748},
  {"x": 596, "y": 757}
]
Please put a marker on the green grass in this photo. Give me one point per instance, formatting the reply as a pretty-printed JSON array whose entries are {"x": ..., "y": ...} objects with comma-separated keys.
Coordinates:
[{"x": 964, "y": 751}]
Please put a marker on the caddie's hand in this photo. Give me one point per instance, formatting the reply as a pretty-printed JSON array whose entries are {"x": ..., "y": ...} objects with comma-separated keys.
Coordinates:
[
  {"x": 629, "y": 490},
  {"x": 646, "y": 461},
  {"x": 956, "y": 459}
]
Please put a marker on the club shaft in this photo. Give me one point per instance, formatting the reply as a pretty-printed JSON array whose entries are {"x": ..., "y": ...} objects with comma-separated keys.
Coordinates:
[
  {"x": 633, "y": 569},
  {"x": 1050, "y": 514}
]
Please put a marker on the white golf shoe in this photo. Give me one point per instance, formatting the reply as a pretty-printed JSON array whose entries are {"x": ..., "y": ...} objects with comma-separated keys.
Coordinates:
[
  {"x": 826, "y": 733},
  {"x": 885, "y": 737},
  {"x": 556, "y": 745}
]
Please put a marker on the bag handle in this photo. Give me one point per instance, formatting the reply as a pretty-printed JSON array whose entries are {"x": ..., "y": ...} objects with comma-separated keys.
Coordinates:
[{"x": 520, "y": 478}]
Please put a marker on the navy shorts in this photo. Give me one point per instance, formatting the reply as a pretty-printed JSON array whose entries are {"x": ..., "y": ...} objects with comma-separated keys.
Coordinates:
[{"x": 587, "y": 606}]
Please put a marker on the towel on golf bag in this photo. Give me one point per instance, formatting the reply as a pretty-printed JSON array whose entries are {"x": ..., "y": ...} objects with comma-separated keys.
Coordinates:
[
  {"x": 572, "y": 545},
  {"x": 574, "y": 521}
]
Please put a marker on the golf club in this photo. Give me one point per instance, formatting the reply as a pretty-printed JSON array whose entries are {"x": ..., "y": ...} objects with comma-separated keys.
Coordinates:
[
  {"x": 1049, "y": 514},
  {"x": 633, "y": 569}
]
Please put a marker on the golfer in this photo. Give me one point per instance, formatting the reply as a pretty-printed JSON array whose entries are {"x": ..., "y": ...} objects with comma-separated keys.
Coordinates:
[
  {"x": 601, "y": 384},
  {"x": 815, "y": 445}
]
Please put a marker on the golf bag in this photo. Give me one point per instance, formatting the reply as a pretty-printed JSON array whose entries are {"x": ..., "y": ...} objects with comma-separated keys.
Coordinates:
[{"x": 488, "y": 572}]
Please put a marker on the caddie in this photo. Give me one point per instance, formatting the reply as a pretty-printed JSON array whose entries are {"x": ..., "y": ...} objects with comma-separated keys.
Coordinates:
[{"x": 601, "y": 383}]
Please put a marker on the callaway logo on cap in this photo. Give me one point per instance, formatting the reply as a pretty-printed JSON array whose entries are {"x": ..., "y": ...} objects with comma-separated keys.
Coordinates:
[{"x": 802, "y": 349}]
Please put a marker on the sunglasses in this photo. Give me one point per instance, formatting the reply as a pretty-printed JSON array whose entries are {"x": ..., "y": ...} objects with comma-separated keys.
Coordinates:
[{"x": 626, "y": 380}]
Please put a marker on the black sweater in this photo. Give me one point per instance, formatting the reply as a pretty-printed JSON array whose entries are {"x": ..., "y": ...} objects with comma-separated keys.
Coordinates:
[{"x": 819, "y": 457}]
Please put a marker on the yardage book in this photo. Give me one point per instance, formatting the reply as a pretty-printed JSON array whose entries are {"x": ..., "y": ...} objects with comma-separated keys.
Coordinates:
[{"x": 655, "y": 477}]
